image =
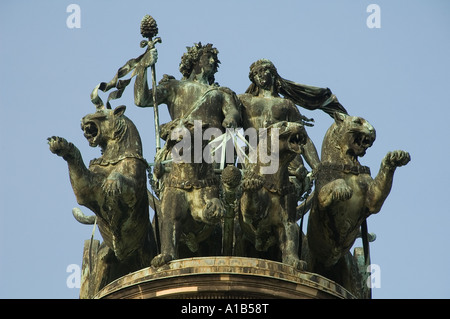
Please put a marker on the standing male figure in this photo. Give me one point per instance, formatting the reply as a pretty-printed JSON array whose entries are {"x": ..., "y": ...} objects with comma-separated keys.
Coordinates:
[{"x": 190, "y": 204}]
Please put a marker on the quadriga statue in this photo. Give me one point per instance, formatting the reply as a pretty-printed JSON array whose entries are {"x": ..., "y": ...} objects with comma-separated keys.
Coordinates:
[
  {"x": 345, "y": 195},
  {"x": 114, "y": 188}
]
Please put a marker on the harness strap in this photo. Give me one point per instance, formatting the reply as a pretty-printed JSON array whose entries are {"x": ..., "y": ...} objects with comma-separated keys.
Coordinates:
[
  {"x": 353, "y": 169},
  {"x": 103, "y": 162},
  {"x": 202, "y": 183},
  {"x": 282, "y": 190}
]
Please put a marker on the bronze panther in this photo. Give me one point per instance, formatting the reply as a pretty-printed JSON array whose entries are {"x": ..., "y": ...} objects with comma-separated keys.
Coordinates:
[
  {"x": 114, "y": 188},
  {"x": 345, "y": 194}
]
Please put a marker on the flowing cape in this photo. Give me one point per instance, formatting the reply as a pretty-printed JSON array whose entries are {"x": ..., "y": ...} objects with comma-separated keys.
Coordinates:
[{"x": 311, "y": 97}]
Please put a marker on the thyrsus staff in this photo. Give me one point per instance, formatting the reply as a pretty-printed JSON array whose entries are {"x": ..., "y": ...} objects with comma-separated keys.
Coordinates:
[
  {"x": 135, "y": 65},
  {"x": 149, "y": 29}
]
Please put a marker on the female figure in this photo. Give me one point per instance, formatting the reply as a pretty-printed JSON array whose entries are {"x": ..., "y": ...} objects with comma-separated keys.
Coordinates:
[{"x": 263, "y": 105}]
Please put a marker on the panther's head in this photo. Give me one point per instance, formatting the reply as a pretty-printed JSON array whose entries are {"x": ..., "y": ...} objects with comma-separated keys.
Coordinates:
[
  {"x": 291, "y": 136},
  {"x": 103, "y": 125},
  {"x": 352, "y": 135},
  {"x": 106, "y": 127}
]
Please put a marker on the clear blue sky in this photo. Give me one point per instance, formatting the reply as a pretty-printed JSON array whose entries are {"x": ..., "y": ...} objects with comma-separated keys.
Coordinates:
[{"x": 396, "y": 76}]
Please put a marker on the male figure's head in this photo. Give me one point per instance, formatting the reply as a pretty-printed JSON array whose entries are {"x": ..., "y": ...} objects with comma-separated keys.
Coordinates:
[{"x": 200, "y": 60}]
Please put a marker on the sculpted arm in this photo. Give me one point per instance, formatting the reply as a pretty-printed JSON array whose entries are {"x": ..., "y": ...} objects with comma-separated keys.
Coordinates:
[
  {"x": 310, "y": 154},
  {"x": 231, "y": 109},
  {"x": 143, "y": 96},
  {"x": 309, "y": 151}
]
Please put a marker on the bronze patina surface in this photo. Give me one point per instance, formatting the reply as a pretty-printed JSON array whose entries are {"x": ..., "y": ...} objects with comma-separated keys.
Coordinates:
[{"x": 221, "y": 230}]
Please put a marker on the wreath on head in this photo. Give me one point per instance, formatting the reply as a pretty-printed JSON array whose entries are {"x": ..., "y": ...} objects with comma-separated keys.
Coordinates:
[{"x": 192, "y": 56}]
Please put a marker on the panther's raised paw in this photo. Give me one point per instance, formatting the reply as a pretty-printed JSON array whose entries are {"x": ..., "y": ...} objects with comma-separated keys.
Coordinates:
[
  {"x": 396, "y": 159},
  {"x": 59, "y": 145}
]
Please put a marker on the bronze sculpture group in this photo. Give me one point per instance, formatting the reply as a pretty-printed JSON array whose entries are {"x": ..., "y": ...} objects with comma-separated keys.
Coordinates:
[{"x": 243, "y": 209}]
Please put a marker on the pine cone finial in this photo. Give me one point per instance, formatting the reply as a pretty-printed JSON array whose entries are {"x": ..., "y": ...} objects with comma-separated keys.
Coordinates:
[{"x": 148, "y": 27}]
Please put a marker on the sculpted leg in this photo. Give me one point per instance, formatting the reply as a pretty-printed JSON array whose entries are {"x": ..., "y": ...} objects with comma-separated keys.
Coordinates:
[
  {"x": 289, "y": 246},
  {"x": 334, "y": 191},
  {"x": 80, "y": 176},
  {"x": 173, "y": 212},
  {"x": 252, "y": 199},
  {"x": 381, "y": 185}
]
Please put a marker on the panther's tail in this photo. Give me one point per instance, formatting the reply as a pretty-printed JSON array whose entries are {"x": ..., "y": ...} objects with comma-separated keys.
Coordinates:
[{"x": 82, "y": 218}]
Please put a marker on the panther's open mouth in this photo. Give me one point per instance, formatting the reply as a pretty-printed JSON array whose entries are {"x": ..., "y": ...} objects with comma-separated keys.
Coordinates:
[
  {"x": 295, "y": 141},
  {"x": 361, "y": 142},
  {"x": 90, "y": 132}
]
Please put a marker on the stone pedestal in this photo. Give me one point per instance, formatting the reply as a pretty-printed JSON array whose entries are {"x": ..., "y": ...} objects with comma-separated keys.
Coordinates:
[{"x": 223, "y": 278}]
